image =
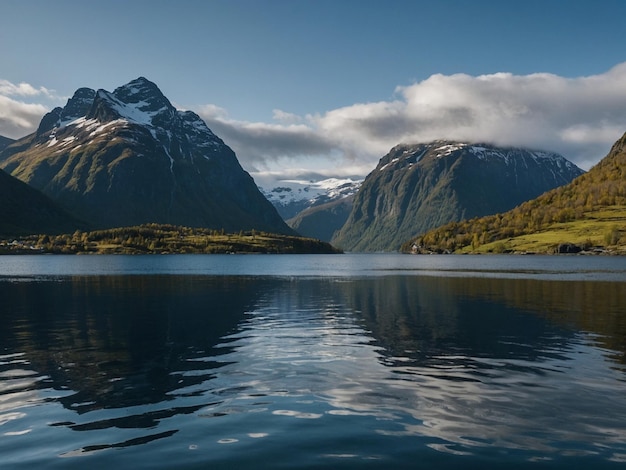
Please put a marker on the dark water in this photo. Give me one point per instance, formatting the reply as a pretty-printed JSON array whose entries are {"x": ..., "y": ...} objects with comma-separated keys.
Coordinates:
[{"x": 312, "y": 362}]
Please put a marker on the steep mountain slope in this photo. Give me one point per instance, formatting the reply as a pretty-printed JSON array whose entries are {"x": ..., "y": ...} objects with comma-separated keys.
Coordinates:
[
  {"x": 24, "y": 210},
  {"x": 129, "y": 157},
  {"x": 415, "y": 188},
  {"x": 4, "y": 142},
  {"x": 586, "y": 213},
  {"x": 321, "y": 221}
]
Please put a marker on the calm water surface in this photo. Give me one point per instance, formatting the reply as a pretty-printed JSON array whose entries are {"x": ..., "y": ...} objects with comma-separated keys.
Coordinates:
[{"x": 342, "y": 361}]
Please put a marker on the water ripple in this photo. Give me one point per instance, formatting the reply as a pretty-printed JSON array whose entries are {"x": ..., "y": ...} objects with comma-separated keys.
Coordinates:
[{"x": 342, "y": 374}]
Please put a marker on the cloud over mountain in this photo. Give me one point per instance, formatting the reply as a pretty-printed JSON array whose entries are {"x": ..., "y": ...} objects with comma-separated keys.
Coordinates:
[
  {"x": 17, "y": 117},
  {"x": 263, "y": 142},
  {"x": 578, "y": 117}
]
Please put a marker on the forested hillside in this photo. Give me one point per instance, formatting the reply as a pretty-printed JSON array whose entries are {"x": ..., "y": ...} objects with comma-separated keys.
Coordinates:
[{"x": 588, "y": 212}]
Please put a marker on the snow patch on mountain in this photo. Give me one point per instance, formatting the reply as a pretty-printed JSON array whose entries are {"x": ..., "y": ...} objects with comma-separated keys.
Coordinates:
[
  {"x": 291, "y": 196},
  {"x": 407, "y": 155},
  {"x": 138, "y": 103},
  {"x": 148, "y": 154},
  {"x": 294, "y": 190}
]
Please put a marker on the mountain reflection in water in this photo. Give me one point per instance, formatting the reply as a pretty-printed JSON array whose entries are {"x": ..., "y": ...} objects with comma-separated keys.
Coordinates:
[{"x": 379, "y": 371}]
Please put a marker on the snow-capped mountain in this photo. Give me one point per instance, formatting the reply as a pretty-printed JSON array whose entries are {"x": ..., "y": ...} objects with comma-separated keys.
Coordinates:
[
  {"x": 292, "y": 196},
  {"x": 418, "y": 187},
  {"x": 315, "y": 209},
  {"x": 128, "y": 157},
  {"x": 406, "y": 156}
]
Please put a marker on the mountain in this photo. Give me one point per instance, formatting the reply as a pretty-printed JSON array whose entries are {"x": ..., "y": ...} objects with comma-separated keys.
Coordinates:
[
  {"x": 589, "y": 213},
  {"x": 129, "y": 157},
  {"x": 290, "y": 197},
  {"x": 415, "y": 188},
  {"x": 321, "y": 221},
  {"x": 314, "y": 208},
  {"x": 24, "y": 210},
  {"x": 5, "y": 142}
]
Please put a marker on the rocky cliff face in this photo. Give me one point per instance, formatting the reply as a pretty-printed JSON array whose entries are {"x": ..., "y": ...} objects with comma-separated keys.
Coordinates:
[
  {"x": 129, "y": 157},
  {"x": 415, "y": 188}
]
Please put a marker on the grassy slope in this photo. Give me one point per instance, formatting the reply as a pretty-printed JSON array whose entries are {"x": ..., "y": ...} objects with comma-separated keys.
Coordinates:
[{"x": 597, "y": 229}]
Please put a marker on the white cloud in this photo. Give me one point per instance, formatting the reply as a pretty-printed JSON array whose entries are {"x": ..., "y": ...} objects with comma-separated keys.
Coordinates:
[
  {"x": 578, "y": 117},
  {"x": 211, "y": 111},
  {"x": 22, "y": 89},
  {"x": 258, "y": 143},
  {"x": 22, "y": 107},
  {"x": 17, "y": 118},
  {"x": 286, "y": 118}
]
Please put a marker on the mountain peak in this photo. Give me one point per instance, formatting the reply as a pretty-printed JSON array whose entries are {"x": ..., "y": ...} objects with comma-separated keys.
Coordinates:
[
  {"x": 77, "y": 106},
  {"x": 145, "y": 95},
  {"x": 139, "y": 101},
  {"x": 128, "y": 157}
]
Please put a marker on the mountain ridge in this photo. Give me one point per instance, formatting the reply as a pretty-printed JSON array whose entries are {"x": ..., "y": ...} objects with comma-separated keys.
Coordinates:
[
  {"x": 416, "y": 187},
  {"x": 5, "y": 142},
  {"x": 128, "y": 157},
  {"x": 313, "y": 208},
  {"x": 322, "y": 220},
  {"x": 587, "y": 213},
  {"x": 292, "y": 196}
]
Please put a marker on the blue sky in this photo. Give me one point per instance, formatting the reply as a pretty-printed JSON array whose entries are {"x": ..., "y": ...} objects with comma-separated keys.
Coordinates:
[{"x": 299, "y": 86}]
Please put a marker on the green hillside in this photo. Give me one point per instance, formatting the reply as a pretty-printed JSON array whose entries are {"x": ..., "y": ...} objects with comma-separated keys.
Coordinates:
[{"x": 588, "y": 214}]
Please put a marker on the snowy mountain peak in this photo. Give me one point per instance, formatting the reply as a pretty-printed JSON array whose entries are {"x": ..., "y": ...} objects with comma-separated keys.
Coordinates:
[
  {"x": 141, "y": 95},
  {"x": 291, "y": 196},
  {"x": 405, "y": 155},
  {"x": 128, "y": 157},
  {"x": 139, "y": 101},
  {"x": 140, "y": 109},
  {"x": 77, "y": 106}
]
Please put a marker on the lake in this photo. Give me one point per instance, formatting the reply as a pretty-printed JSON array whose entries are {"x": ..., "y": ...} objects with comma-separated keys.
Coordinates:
[{"x": 312, "y": 361}]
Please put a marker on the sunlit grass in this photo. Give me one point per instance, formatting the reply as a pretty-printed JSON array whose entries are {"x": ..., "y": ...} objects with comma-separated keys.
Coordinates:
[{"x": 593, "y": 230}]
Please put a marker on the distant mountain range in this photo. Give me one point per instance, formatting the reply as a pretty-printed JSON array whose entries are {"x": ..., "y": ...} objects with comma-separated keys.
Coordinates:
[
  {"x": 415, "y": 188},
  {"x": 292, "y": 196},
  {"x": 128, "y": 157},
  {"x": 589, "y": 213},
  {"x": 314, "y": 209}
]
